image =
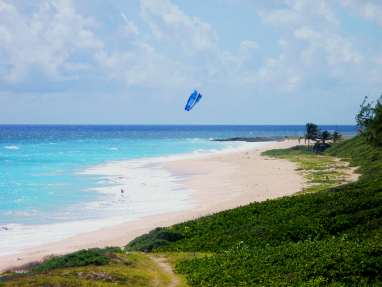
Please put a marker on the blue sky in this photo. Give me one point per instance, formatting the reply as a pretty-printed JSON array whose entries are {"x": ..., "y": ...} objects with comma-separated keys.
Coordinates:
[{"x": 136, "y": 61}]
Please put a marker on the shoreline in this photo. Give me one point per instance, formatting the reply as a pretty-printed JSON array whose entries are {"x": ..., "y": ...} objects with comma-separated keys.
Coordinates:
[{"x": 218, "y": 181}]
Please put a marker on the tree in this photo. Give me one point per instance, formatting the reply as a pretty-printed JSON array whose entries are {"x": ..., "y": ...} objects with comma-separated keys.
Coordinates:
[
  {"x": 324, "y": 136},
  {"x": 336, "y": 136},
  {"x": 311, "y": 132},
  {"x": 364, "y": 116},
  {"x": 369, "y": 121},
  {"x": 374, "y": 129}
]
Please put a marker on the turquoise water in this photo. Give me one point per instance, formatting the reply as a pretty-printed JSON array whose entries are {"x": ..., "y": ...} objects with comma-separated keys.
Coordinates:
[{"x": 40, "y": 180}]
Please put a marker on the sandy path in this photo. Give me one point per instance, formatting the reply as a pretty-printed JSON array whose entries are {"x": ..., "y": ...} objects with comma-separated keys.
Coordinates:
[
  {"x": 218, "y": 182},
  {"x": 167, "y": 269}
]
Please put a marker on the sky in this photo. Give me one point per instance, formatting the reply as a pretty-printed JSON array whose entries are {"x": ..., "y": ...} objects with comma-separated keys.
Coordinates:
[{"x": 137, "y": 61}]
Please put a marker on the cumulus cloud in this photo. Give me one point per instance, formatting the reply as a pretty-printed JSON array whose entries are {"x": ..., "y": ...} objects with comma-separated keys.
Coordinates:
[
  {"x": 313, "y": 43},
  {"x": 44, "y": 40},
  {"x": 170, "y": 23},
  {"x": 337, "y": 49}
]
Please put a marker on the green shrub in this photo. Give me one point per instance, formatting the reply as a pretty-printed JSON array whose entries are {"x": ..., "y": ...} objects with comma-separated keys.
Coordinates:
[
  {"x": 329, "y": 262},
  {"x": 84, "y": 257},
  {"x": 158, "y": 237}
]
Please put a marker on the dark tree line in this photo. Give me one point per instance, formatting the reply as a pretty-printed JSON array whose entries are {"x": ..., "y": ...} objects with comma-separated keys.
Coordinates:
[{"x": 314, "y": 133}]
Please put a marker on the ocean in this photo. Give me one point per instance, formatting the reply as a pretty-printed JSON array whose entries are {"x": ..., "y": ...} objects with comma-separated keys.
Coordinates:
[{"x": 49, "y": 177}]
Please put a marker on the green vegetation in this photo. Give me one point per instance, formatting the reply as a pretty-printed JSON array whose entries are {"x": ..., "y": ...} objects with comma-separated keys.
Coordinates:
[
  {"x": 320, "y": 170},
  {"x": 94, "y": 256},
  {"x": 312, "y": 132},
  {"x": 173, "y": 258},
  {"x": 331, "y": 262},
  {"x": 328, "y": 238},
  {"x": 360, "y": 154},
  {"x": 369, "y": 121},
  {"x": 321, "y": 138},
  {"x": 121, "y": 269},
  {"x": 336, "y": 136},
  {"x": 158, "y": 237}
]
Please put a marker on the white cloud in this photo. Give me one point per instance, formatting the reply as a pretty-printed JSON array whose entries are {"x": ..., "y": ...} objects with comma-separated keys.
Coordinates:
[
  {"x": 371, "y": 10},
  {"x": 63, "y": 44},
  {"x": 169, "y": 23},
  {"x": 312, "y": 44},
  {"x": 141, "y": 66},
  {"x": 295, "y": 12},
  {"x": 337, "y": 48},
  {"x": 185, "y": 39},
  {"x": 44, "y": 40}
]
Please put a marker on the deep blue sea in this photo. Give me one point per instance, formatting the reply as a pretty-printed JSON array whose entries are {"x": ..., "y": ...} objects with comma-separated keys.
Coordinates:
[{"x": 40, "y": 165}]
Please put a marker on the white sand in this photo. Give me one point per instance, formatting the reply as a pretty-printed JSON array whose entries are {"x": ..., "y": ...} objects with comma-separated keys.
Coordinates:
[{"x": 216, "y": 182}]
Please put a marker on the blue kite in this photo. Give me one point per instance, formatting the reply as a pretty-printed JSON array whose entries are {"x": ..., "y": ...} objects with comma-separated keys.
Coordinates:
[{"x": 194, "y": 98}]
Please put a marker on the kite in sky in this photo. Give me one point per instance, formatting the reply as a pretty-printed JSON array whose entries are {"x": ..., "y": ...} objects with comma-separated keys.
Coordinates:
[{"x": 194, "y": 98}]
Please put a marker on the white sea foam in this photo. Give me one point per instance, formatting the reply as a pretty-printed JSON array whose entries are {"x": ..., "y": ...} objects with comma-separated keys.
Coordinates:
[
  {"x": 17, "y": 237},
  {"x": 12, "y": 147},
  {"x": 148, "y": 189}
]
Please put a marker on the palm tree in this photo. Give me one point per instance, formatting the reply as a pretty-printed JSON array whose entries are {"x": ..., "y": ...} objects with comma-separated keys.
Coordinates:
[
  {"x": 311, "y": 132},
  {"x": 325, "y": 135},
  {"x": 336, "y": 136}
]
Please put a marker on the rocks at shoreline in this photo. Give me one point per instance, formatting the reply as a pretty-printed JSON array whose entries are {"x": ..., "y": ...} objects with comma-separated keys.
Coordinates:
[{"x": 250, "y": 139}]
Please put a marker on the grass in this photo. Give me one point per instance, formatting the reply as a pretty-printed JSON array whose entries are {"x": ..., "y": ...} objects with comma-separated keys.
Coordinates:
[
  {"x": 86, "y": 257},
  {"x": 173, "y": 258},
  {"x": 362, "y": 155},
  {"x": 121, "y": 269},
  {"x": 321, "y": 171}
]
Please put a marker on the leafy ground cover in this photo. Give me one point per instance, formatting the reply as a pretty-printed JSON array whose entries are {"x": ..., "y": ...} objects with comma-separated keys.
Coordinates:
[
  {"x": 116, "y": 268},
  {"x": 362, "y": 155}
]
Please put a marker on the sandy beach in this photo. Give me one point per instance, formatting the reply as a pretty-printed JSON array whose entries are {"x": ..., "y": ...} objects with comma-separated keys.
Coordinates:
[{"x": 216, "y": 181}]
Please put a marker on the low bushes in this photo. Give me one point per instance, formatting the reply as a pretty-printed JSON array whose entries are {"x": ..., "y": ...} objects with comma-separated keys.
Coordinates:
[
  {"x": 157, "y": 238},
  {"x": 85, "y": 257}
]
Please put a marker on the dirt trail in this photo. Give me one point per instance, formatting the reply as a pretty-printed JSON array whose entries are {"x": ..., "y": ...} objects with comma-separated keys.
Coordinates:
[{"x": 166, "y": 268}]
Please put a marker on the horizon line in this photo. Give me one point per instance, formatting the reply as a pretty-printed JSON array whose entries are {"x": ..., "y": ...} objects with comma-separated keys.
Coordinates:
[{"x": 164, "y": 124}]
